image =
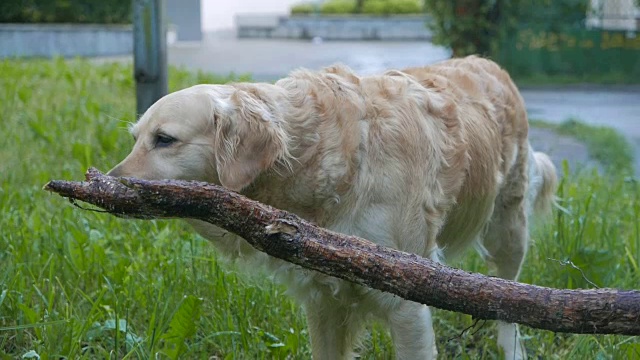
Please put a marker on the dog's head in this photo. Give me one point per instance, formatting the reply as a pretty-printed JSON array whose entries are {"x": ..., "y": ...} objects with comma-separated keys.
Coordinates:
[{"x": 222, "y": 134}]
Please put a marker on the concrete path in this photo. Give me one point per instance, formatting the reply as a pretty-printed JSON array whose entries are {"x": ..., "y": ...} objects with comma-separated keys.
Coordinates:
[
  {"x": 560, "y": 148},
  {"x": 613, "y": 106},
  {"x": 268, "y": 60}
]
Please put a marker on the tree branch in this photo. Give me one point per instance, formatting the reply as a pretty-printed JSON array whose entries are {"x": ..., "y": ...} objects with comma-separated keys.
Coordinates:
[{"x": 290, "y": 238}]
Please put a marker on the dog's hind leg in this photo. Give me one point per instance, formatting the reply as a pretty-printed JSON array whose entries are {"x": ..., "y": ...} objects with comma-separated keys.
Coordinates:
[
  {"x": 506, "y": 241},
  {"x": 506, "y": 244}
]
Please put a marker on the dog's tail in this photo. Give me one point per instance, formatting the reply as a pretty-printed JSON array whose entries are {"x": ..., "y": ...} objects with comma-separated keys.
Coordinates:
[{"x": 547, "y": 180}]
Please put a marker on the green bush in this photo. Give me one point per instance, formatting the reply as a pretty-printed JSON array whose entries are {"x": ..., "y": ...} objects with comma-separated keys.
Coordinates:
[
  {"x": 370, "y": 7},
  {"x": 335, "y": 7},
  {"x": 389, "y": 7},
  {"x": 477, "y": 26},
  {"x": 562, "y": 12},
  {"x": 65, "y": 11},
  {"x": 466, "y": 26},
  {"x": 303, "y": 9}
]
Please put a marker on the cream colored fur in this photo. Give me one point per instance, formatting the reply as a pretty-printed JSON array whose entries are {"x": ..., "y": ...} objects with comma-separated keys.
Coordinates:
[{"x": 427, "y": 160}]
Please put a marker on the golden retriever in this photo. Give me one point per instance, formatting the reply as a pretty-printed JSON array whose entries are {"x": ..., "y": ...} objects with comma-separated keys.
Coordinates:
[{"x": 428, "y": 160}]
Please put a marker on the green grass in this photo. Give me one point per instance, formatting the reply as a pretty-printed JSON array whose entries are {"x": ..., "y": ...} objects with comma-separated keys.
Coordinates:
[{"x": 80, "y": 284}]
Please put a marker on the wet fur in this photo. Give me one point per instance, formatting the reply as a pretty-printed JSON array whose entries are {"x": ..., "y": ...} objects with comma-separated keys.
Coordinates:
[{"x": 429, "y": 160}]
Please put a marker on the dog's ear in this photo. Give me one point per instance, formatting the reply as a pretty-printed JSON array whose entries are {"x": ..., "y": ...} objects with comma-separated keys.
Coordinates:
[{"x": 249, "y": 139}]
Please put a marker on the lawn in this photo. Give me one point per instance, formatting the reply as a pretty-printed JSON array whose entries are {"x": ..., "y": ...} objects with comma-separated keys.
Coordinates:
[{"x": 80, "y": 284}]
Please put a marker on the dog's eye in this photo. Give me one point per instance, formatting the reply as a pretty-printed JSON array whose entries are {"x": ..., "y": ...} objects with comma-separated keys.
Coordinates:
[{"x": 164, "y": 140}]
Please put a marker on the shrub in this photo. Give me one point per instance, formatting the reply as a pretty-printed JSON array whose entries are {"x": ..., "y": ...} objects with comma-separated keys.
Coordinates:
[
  {"x": 388, "y": 7},
  {"x": 476, "y": 26},
  {"x": 303, "y": 9},
  {"x": 466, "y": 26},
  {"x": 333, "y": 7},
  {"x": 371, "y": 7},
  {"x": 65, "y": 11}
]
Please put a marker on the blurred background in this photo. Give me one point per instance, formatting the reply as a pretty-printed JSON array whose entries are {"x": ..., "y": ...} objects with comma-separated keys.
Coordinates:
[
  {"x": 571, "y": 58},
  {"x": 571, "y": 40}
]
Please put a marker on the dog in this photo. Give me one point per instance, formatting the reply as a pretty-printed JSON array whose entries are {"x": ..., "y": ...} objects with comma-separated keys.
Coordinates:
[{"x": 428, "y": 160}]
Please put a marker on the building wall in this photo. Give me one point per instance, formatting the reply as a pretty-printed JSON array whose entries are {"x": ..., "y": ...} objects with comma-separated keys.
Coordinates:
[
  {"x": 186, "y": 18},
  {"x": 613, "y": 15},
  {"x": 220, "y": 14},
  {"x": 47, "y": 40},
  {"x": 399, "y": 27}
]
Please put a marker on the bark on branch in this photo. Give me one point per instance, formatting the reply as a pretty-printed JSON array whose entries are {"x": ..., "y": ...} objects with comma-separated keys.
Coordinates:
[{"x": 288, "y": 237}]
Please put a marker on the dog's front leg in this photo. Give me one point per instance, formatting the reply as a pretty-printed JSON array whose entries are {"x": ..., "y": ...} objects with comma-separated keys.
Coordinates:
[
  {"x": 412, "y": 331},
  {"x": 334, "y": 331}
]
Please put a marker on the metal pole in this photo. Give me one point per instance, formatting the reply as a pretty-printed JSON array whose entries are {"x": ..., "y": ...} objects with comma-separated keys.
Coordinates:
[{"x": 149, "y": 52}]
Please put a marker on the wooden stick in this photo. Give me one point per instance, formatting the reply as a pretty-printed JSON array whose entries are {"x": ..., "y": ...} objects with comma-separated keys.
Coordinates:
[{"x": 290, "y": 238}]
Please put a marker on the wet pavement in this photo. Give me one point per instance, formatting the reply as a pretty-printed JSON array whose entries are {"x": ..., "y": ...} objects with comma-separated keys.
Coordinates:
[
  {"x": 268, "y": 60},
  {"x": 613, "y": 106},
  {"x": 617, "y": 106}
]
